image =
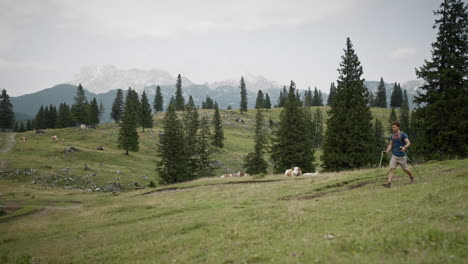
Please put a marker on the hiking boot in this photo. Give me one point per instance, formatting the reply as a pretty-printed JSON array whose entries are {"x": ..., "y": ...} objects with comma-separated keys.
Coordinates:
[
  {"x": 411, "y": 179},
  {"x": 387, "y": 185}
]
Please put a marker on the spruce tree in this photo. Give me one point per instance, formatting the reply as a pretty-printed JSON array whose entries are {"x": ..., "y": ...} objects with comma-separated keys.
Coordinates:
[
  {"x": 372, "y": 100},
  {"x": 64, "y": 117},
  {"x": 392, "y": 118},
  {"x": 51, "y": 116},
  {"x": 283, "y": 97},
  {"x": 117, "y": 106},
  {"x": 381, "y": 97},
  {"x": 396, "y": 98},
  {"x": 318, "y": 128},
  {"x": 93, "y": 113},
  {"x": 308, "y": 101},
  {"x": 79, "y": 106},
  {"x": 179, "y": 102},
  {"x": 158, "y": 103},
  {"x": 267, "y": 101},
  {"x": 404, "y": 115},
  {"x": 128, "y": 135},
  {"x": 290, "y": 139},
  {"x": 146, "y": 118},
  {"x": 260, "y": 102},
  {"x": 442, "y": 112},
  {"x": 243, "y": 96},
  {"x": 254, "y": 162},
  {"x": 208, "y": 104},
  {"x": 29, "y": 126},
  {"x": 173, "y": 165},
  {"x": 40, "y": 121},
  {"x": 190, "y": 103},
  {"x": 191, "y": 125},
  {"x": 349, "y": 127},
  {"x": 379, "y": 141},
  {"x": 21, "y": 127},
  {"x": 205, "y": 167},
  {"x": 102, "y": 110},
  {"x": 218, "y": 136},
  {"x": 332, "y": 94}
]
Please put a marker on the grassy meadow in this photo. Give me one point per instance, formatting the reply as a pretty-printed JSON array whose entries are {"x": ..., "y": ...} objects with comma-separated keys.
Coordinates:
[{"x": 55, "y": 211}]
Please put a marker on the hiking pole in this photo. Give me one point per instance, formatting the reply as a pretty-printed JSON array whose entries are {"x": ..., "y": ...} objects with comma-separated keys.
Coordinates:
[
  {"x": 409, "y": 160},
  {"x": 378, "y": 170}
]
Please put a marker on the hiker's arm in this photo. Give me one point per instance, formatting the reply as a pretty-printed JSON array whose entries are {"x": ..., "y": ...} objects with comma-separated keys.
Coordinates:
[
  {"x": 406, "y": 146},
  {"x": 389, "y": 147}
]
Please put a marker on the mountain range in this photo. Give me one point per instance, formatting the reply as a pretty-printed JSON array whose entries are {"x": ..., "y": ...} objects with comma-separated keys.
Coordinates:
[{"x": 102, "y": 83}]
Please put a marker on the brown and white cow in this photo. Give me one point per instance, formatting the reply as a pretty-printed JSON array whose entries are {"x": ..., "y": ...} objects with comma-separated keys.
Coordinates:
[
  {"x": 24, "y": 139},
  {"x": 54, "y": 138}
]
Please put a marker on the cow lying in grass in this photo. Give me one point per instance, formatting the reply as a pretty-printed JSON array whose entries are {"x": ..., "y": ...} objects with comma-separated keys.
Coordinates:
[
  {"x": 239, "y": 174},
  {"x": 296, "y": 171},
  {"x": 54, "y": 138},
  {"x": 24, "y": 139}
]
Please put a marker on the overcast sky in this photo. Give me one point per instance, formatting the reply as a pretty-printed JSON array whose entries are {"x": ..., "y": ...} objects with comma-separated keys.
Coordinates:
[{"x": 44, "y": 43}]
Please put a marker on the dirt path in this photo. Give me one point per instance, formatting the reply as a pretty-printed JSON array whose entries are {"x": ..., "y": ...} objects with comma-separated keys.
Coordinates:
[{"x": 9, "y": 144}]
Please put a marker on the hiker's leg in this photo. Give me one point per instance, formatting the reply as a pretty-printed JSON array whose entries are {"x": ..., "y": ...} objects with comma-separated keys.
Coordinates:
[
  {"x": 391, "y": 172},
  {"x": 404, "y": 166}
]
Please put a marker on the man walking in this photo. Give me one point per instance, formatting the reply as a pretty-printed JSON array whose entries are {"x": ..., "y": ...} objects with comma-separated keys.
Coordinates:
[{"x": 399, "y": 144}]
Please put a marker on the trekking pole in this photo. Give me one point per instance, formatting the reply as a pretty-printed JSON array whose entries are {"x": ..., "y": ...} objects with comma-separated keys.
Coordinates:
[
  {"x": 409, "y": 160},
  {"x": 378, "y": 170}
]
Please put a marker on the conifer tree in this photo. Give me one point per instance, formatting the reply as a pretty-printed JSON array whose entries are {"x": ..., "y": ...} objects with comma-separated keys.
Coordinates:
[
  {"x": 128, "y": 135},
  {"x": 396, "y": 98},
  {"x": 191, "y": 125},
  {"x": 158, "y": 100},
  {"x": 93, "y": 113},
  {"x": 102, "y": 110},
  {"x": 379, "y": 142},
  {"x": 51, "y": 116},
  {"x": 260, "y": 102},
  {"x": 318, "y": 129},
  {"x": 179, "y": 102},
  {"x": 308, "y": 99},
  {"x": 40, "y": 121},
  {"x": 267, "y": 101},
  {"x": 190, "y": 103},
  {"x": 442, "y": 112},
  {"x": 381, "y": 97},
  {"x": 404, "y": 115},
  {"x": 332, "y": 94},
  {"x": 218, "y": 136},
  {"x": 79, "y": 106},
  {"x": 349, "y": 123},
  {"x": 64, "y": 117},
  {"x": 290, "y": 140},
  {"x": 243, "y": 96},
  {"x": 29, "y": 126},
  {"x": 392, "y": 118},
  {"x": 208, "y": 104},
  {"x": 16, "y": 127},
  {"x": 254, "y": 162},
  {"x": 316, "y": 99},
  {"x": 372, "y": 100},
  {"x": 205, "y": 167},
  {"x": 174, "y": 163},
  {"x": 146, "y": 118},
  {"x": 283, "y": 97},
  {"x": 21, "y": 128},
  {"x": 117, "y": 106}
]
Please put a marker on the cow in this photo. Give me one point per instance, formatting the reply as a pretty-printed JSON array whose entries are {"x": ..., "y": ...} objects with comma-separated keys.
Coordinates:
[
  {"x": 297, "y": 171},
  {"x": 227, "y": 175},
  {"x": 54, "y": 138},
  {"x": 242, "y": 174},
  {"x": 83, "y": 126},
  {"x": 62, "y": 140},
  {"x": 24, "y": 139}
]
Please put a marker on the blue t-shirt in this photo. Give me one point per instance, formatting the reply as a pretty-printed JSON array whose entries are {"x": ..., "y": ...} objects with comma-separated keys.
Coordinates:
[{"x": 398, "y": 141}]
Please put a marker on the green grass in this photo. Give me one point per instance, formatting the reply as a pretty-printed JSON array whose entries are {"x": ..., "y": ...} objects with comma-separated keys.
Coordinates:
[{"x": 329, "y": 218}]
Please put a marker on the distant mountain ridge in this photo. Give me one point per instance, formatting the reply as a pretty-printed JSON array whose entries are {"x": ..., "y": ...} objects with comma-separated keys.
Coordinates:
[{"x": 102, "y": 83}]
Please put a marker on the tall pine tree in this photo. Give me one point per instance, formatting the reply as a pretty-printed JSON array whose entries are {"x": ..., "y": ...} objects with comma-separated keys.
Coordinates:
[
  {"x": 205, "y": 167},
  {"x": 218, "y": 136},
  {"x": 267, "y": 101},
  {"x": 146, "y": 118},
  {"x": 7, "y": 116},
  {"x": 349, "y": 127},
  {"x": 254, "y": 162},
  {"x": 93, "y": 113},
  {"x": 243, "y": 96},
  {"x": 173, "y": 165},
  {"x": 179, "y": 102},
  {"x": 128, "y": 135},
  {"x": 260, "y": 102},
  {"x": 381, "y": 97},
  {"x": 117, "y": 106},
  {"x": 290, "y": 140},
  {"x": 79, "y": 106},
  {"x": 332, "y": 94},
  {"x": 308, "y": 98},
  {"x": 442, "y": 112},
  {"x": 158, "y": 103}
]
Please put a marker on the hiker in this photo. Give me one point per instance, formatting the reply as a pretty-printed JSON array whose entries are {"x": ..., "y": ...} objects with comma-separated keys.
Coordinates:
[{"x": 399, "y": 144}]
